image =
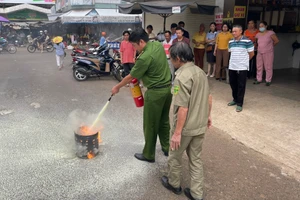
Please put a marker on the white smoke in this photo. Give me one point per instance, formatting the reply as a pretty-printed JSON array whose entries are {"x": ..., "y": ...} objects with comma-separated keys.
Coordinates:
[{"x": 76, "y": 119}]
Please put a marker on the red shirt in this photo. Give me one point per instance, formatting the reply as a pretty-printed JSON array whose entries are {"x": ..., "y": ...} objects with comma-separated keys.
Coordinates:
[
  {"x": 251, "y": 35},
  {"x": 186, "y": 40},
  {"x": 127, "y": 50}
]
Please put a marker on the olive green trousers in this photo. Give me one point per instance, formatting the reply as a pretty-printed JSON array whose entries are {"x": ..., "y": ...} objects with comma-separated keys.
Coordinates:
[
  {"x": 156, "y": 120},
  {"x": 193, "y": 147}
]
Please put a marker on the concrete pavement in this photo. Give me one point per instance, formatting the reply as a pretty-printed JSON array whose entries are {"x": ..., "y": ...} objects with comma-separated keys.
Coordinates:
[{"x": 37, "y": 160}]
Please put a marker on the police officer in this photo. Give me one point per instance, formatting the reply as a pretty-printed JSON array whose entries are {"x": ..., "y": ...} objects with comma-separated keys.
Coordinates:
[
  {"x": 152, "y": 68},
  {"x": 191, "y": 107}
]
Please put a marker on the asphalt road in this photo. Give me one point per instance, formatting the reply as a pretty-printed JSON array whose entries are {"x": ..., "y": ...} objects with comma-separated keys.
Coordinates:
[{"x": 38, "y": 109}]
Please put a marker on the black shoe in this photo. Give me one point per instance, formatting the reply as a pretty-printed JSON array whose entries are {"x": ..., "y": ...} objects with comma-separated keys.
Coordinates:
[
  {"x": 141, "y": 157},
  {"x": 165, "y": 182},
  {"x": 166, "y": 153},
  {"x": 187, "y": 193}
]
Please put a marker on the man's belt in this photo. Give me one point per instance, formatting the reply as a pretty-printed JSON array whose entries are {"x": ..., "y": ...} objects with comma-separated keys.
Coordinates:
[{"x": 159, "y": 87}]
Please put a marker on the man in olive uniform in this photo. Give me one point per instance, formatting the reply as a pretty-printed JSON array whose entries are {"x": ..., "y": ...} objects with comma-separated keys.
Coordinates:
[
  {"x": 191, "y": 116},
  {"x": 152, "y": 68}
]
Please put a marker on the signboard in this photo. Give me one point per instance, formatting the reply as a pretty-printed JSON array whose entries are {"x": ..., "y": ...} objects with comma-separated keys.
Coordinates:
[
  {"x": 176, "y": 9},
  {"x": 219, "y": 20},
  {"x": 114, "y": 45},
  {"x": 239, "y": 12},
  {"x": 82, "y": 2},
  {"x": 28, "y": 15},
  {"x": 29, "y": 1}
]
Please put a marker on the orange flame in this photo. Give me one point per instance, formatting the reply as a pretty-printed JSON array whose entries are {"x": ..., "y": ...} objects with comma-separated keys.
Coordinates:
[
  {"x": 85, "y": 131},
  {"x": 90, "y": 155}
]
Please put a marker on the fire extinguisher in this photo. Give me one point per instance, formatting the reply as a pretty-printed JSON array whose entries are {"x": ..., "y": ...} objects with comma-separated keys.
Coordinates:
[{"x": 136, "y": 93}]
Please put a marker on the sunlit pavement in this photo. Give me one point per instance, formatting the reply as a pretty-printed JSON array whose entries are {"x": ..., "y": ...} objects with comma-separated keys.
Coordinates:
[{"x": 37, "y": 159}]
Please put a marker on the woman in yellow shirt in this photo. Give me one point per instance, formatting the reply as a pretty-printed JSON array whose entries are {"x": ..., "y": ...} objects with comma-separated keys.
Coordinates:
[
  {"x": 221, "y": 52},
  {"x": 199, "y": 41}
]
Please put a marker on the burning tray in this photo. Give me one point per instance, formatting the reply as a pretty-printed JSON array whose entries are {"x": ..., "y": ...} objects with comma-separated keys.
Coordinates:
[{"x": 87, "y": 145}]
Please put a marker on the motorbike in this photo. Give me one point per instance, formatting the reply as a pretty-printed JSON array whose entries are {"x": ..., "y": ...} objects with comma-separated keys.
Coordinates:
[
  {"x": 34, "y": 46},
  {"x": 84, "y": 52},
  {"x": 93, "y": 52},
  {"x": 101, "y": 65},
  {"x": 13, "y": 39},
  {"x": 4, "y": 45}
]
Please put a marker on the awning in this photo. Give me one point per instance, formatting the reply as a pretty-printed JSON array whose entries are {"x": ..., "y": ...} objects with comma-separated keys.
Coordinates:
[
  {"x": 206, "y": 9},
  {"x": 77, "y": 16},
  {"x": 98, "y": 16},
  {"x": 165, "y": 8},
  {"x": 3, "y": 19},
  {"x": 113, "y": 16},
  {"x": 76, "y": 13},
  {"x": 154, "y": 7}
]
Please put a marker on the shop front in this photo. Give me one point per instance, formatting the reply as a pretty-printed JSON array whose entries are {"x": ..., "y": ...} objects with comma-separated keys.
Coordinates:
[
  {"x": 281, "y": 16},
  {"x": 86, "y": 25}
]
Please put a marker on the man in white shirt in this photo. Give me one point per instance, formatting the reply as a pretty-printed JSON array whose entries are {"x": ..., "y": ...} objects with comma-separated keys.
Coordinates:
[
  {"x": 167, "y": 43},
  {"x": 242, "y": 50},
  {"x": 151, "y": 35}
]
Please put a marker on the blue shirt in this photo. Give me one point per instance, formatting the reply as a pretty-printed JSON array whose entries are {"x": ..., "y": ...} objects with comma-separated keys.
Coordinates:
[
  {"x": 173, "y": 37},
  {"x": 211, "y": 36},
  {"x": 60, "y": 49},
  {"x": 102, "y": 41}
]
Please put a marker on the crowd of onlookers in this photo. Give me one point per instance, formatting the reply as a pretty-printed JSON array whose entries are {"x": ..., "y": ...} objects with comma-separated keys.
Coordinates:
[{"x": 214, "y": 43}]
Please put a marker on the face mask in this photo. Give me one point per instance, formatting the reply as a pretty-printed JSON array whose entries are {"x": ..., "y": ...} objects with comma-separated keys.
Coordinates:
[{"x": 262, "y": 29}]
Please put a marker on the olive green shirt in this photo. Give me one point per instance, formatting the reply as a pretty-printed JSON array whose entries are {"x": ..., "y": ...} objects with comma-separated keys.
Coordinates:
[
  {"x": 152, "y": 66},
  {"x": 191, "y": 90}
]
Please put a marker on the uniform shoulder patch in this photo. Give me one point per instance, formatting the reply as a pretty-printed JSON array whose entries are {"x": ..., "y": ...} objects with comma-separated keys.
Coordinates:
[{"x": 175, "y": 89}]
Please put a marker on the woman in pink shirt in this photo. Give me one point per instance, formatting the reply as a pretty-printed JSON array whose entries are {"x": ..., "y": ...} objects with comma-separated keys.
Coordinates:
[
  {"x": 266, "y": 40},
  {"x": 127, "y": 53}
]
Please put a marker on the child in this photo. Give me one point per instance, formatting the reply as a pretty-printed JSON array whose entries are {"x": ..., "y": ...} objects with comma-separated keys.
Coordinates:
[{"x": 60, "y": 51}]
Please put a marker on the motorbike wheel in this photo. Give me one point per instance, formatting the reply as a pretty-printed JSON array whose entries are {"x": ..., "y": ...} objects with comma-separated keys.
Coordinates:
[
  {"x": 31, "y": 48},
  {"x": 78, "y": 75},
  {"x": 11, "y": 49},
  {"x": 49, "y": 48},
  {"x": 118, "y": 72}
]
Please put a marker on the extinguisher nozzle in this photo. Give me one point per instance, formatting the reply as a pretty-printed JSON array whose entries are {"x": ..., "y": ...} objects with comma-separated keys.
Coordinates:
[{"x": 110, "y": 97}]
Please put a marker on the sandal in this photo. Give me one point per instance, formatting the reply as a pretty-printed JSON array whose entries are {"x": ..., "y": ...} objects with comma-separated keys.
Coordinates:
[
  {"x": 233, "y": 103},
  {"x": 239, "y": 109},
  {"x": 256, "y": 82}
]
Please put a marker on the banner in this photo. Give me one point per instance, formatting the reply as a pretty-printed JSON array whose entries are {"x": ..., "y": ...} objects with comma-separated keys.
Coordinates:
[
  {"x": 219, "y": 20},
  {"x": 239, "y": 12},
  {"x": 27, "y": 15}
]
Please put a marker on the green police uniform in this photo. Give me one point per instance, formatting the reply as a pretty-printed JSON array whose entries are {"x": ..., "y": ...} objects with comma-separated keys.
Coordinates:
[
  {"x": 152, "y": 68},
  {"x": 190, "y": 91}
]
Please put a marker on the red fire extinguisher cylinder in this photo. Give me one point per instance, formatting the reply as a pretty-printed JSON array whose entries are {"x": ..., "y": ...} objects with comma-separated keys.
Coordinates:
[{"x": 137, "y": 93}]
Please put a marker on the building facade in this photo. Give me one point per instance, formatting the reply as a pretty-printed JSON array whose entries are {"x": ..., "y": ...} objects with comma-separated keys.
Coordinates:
[{"x": 26, "y": 10}]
